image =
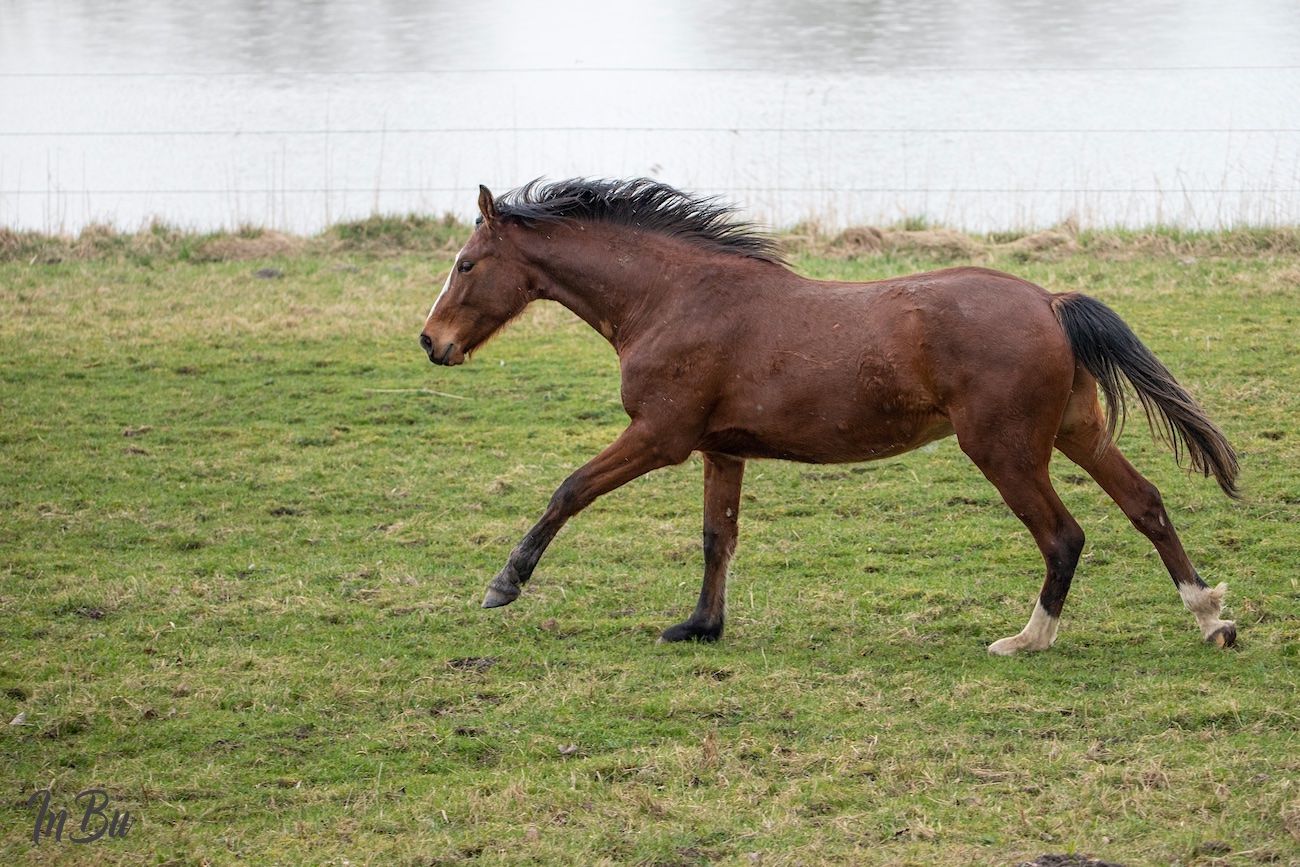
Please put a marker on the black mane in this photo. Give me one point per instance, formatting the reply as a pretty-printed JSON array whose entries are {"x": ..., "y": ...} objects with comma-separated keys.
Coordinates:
[{"x": 643, "y": 204}]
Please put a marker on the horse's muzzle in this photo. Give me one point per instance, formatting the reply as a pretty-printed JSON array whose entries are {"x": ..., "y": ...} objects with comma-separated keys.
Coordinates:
[{"x": 447, "y": 356}]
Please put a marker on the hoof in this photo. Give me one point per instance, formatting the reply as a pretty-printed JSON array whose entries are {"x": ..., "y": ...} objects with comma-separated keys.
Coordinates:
[
  {"x": 1224, "y": 636},
  {"x": 689, "y": 631},
  {"x": 1005, "y": 646},
  {"x": 1038, "y": 634},
  {"x": 1017, "y": 644},
  {"x": 494, "y": 598},
  {"x": 500, "y": 591}
]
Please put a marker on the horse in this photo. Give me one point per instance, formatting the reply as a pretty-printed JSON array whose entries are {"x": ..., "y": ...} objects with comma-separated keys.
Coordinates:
[{"x": 725, "y": 351}]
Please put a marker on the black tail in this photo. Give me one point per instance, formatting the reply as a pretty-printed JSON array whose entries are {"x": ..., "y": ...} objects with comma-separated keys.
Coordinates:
[{"x": 1111, "y": 352}]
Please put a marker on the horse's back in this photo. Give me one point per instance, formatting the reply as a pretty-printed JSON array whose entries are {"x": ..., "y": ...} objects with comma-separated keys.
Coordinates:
[
  {"x": 853, "y": 371},
  {"x": 947, "y": 327},
  {"x": 989, "y": 341}
]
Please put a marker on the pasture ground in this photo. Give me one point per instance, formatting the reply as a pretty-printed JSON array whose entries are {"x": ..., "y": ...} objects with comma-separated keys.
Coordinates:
[{"x": 245, "y": 527}]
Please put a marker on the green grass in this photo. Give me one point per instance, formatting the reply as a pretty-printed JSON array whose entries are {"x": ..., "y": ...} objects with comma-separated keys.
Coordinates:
[{"x": 244, "y": 528}]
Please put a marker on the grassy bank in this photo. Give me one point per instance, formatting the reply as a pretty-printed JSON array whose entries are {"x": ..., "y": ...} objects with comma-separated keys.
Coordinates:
[{"x": 244, "y": 527}]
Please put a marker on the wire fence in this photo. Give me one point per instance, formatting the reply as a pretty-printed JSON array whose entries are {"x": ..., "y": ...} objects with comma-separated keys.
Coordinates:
[
  {"x": 1020, "y": 69},
  {"x": 309, "y": 148},
  {"x": 665, "y": 130}
]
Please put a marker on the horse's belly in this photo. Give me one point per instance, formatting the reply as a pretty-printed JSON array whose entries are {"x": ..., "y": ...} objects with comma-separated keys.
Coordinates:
[
  {"x": 826, "y": 439},
  {"x": 845, "y": 399}
]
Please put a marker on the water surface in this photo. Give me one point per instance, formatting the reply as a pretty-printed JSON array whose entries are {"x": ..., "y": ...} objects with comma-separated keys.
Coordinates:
[{"x": 979, "y": 114}]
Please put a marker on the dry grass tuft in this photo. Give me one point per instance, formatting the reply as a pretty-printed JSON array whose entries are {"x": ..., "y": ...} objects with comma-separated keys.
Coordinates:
[
  {"x": 1049, "y": 241},
  {"x": 382, "y": 236},
  {"x": 1291, "y": 819},
  {"x": 936, "y": 243},
  {"x": 376, "y": 236},
  {"x": 250, "y": 246},
  {"x": 862, "y": 239},
  {"x": 1234, "y": 243},
  {"x": 942, "y": 244},
  {"x": 1288, "y": 277}
]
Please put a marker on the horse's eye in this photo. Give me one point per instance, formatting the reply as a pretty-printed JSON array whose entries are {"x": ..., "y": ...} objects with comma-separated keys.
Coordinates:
[{"x": 464, "y": 267}]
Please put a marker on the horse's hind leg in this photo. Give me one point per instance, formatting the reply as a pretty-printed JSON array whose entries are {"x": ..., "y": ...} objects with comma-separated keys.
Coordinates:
[
  {"x": 1016, "y": 461},
  {"x": 1085, "y": 440},
  {"x": 723, "y": 476}
]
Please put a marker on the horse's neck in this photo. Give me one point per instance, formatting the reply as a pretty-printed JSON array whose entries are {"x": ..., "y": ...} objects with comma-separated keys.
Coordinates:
[{"x": 612, "y": 290}]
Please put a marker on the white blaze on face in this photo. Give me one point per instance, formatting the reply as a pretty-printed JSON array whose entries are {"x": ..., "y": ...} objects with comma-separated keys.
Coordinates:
[{"x": 447, "y": 285}]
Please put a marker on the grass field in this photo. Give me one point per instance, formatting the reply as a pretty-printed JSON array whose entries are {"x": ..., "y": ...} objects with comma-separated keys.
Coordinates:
[{"x": 245, "y": 526}]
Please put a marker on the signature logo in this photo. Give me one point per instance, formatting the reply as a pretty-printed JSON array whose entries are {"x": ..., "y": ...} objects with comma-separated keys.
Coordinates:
[{"x": 95, "y": 821}]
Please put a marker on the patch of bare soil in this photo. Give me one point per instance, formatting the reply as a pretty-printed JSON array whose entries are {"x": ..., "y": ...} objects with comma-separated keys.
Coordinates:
[{"x": 1067, "y": 861}]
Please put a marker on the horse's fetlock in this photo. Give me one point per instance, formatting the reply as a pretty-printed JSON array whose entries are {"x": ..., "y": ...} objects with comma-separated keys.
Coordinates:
[
  {"x": 519, "y": 573},
  {"x": 1205, "y": 602}
]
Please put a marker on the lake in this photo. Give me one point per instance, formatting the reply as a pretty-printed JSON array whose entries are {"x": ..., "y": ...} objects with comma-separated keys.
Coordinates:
[{"x": 981, "y": 115}]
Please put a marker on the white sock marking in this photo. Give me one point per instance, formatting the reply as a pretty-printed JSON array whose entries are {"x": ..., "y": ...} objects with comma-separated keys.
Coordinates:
[
  {"x": 1206, "y": 603},
  {"x": 1041, "y": 629},
  {"x": 1038, "y": 634}
]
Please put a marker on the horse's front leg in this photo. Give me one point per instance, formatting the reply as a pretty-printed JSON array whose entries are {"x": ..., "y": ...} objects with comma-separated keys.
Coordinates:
[
  {"x": 636, "y": 452},
  {"x": 723, "y": 476}
]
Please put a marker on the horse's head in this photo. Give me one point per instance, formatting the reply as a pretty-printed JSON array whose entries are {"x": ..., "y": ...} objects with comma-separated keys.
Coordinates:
[{"x": 490, "y": 283}]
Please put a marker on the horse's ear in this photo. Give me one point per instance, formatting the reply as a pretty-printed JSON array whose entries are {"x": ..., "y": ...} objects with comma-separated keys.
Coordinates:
[{"x": 487, "y": 205}]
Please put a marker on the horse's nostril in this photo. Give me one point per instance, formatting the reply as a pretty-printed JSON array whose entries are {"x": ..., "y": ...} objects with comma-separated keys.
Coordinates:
[{"x": 426, "y": 343}]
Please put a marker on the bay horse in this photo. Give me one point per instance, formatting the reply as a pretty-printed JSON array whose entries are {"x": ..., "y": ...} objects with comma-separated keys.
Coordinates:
[{"x": 725, "y": 351}]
